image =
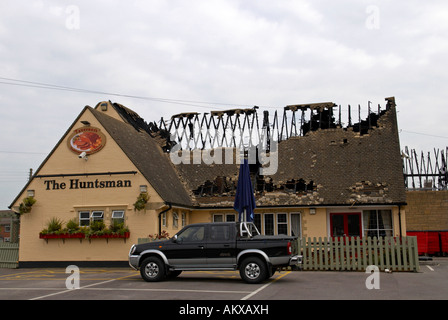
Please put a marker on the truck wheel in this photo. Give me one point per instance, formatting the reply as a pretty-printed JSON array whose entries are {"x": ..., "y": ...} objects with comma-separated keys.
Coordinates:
[
  {"x": 253, "y": 270},
  {"x": 152, "y": 269}
]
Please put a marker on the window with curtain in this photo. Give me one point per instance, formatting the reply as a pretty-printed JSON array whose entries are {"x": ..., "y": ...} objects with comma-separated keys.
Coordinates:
[{"x": 378, "y": 223}]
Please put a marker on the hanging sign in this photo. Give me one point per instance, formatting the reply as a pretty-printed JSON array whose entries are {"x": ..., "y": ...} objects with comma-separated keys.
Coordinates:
[{"x": 86, "y": 139}]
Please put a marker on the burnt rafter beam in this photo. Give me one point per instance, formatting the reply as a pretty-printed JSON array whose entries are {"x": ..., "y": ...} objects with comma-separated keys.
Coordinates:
[
  {"x": 187, "y": 115},
  {"x": 240, "y": 127},
  {"x": 312, "y": 106},
  {"x": 425, "y": 170}
]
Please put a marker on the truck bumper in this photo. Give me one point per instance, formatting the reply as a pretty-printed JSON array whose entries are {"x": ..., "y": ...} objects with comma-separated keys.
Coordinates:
[
  {"x": 295, "y": 260},
  {"x": 133, "y": 262}
]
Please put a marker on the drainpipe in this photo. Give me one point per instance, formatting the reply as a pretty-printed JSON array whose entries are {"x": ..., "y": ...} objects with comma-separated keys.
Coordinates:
[
  {"x": 160, "y": 217},
  {"x": 399, "y": 220}
]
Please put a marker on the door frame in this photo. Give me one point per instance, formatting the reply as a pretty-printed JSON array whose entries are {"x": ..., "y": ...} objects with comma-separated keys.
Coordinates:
[{"x": 345, "y": 217}]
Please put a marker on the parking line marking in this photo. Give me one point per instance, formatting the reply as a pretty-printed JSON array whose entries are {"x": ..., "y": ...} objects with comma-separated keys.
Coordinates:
[
  {"x": 166, "y": 290},
  {"x": 430, "y": 268},
  {"x": 125, "y": 289},
  {"x": 69, "y": 290},
  {"x": 265, "y": 286}
]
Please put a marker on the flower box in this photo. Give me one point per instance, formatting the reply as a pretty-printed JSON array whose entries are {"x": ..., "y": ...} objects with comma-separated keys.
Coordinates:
[
  {"x": 62, "y": 236},
  {"x": 79, "y": 235},
  {"x": 109, "y": 236}
]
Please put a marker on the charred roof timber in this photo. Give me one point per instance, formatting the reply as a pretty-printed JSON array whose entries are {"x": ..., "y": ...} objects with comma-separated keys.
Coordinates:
[
  {"x": 425, "y": 171},
  {"x": 240, "y": 127}
]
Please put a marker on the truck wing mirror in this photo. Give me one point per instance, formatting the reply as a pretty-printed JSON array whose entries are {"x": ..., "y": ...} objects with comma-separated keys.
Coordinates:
[{"x": 177, "y": 239}]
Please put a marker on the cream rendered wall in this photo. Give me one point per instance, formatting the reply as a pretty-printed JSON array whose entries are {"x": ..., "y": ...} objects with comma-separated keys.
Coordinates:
[
  {"x": 65, "y": 204},
  {"x": 396, "y": 212},
  {"x": 314, "y": 225}
]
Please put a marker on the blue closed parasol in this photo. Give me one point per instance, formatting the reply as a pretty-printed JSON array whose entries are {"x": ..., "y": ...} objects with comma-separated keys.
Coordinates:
[{"x": 244, "y": 198}]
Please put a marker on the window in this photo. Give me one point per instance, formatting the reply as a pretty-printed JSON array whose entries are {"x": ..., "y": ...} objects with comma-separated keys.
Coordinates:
[
  {"x": 184, "y": 219},
  {"x": 117, "y": 217},
  {"x": 84, "y": 218},
  {"x": 220, "y": 232},
  {"x": 296, "y": 230},
  {"x": 164, "y": 219},
  {"x": 191, "y": 234},
  {"x": 377, "y": 223},
  {"x": 282, "y": 223},
  {"x": 230, "y": 217},
  {"x": 175, "y": 220},
  {"x": 269, "y": 224},
  {"x": 257, "y": 221},
  {"x": 97, "y": 216}
]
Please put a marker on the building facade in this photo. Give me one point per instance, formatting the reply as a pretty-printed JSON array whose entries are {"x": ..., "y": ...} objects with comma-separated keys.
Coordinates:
[{"x": 118, "y": 179}]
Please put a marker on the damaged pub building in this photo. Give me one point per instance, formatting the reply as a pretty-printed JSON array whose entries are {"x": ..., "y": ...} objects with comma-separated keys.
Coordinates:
[{"x": 318, "y": 170}]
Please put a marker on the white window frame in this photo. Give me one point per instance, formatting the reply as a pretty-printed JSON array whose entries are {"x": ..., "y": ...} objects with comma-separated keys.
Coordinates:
[
  {"x": 163, "y": 217},
  {"x": 175, "y": 220},
  {"x": 97, "y": 215},
  {"x": 184, "y": 219},
  {"x": 282, "y": 223},
  {"x": 300, "y": 222},
  {"x": 365, "y": 228},
  {"x": 117, "y": 215},
  {"x": 84, "y": 219},
  {"x": 264, "y": 216}
]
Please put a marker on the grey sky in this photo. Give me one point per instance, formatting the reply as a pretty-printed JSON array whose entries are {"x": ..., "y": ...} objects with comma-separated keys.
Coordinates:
[{"x": 246, "y": 52}]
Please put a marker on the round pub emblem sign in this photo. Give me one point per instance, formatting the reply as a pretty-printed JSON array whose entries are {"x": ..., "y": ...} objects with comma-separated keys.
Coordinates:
[{"x": 86, "y": 139}]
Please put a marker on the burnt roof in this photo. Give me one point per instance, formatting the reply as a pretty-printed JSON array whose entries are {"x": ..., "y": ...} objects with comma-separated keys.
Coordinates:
[
  {"x": 331, "y": 166},
  {"x": 327, "y": 166}
]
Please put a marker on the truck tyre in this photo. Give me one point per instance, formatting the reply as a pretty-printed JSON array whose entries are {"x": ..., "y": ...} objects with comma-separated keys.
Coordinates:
[
  {"x": 253, "y": 270},
  {"x": 152, "y": 269}
]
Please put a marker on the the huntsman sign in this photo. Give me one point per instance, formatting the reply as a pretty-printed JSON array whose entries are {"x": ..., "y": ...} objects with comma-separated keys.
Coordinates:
[{"x": 79, "y": 184}]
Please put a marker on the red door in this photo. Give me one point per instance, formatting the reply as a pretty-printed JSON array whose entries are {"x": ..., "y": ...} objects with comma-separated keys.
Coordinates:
[{"x": 347, "y": 224}]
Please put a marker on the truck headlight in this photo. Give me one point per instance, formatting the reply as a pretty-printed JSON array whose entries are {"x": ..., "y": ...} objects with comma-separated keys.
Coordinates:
[{"x": 132, "y": 249}]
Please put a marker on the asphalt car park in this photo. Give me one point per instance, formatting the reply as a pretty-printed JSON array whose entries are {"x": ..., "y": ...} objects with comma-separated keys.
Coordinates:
[{"x": 431, "y": 283}]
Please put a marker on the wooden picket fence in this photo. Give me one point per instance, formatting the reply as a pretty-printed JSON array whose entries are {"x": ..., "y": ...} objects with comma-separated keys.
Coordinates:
[
  {"x": 355, "y": 253},
  {"x": 9, "y": 255}
]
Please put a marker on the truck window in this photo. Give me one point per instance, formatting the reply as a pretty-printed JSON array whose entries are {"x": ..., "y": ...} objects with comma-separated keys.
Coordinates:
[
  {"x": 220, "y": 233},
  {"x": 194, "y": 233}
]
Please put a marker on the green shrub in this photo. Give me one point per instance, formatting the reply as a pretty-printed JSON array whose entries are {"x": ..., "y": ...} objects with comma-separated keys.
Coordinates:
[{"x": 54, "y": 225}]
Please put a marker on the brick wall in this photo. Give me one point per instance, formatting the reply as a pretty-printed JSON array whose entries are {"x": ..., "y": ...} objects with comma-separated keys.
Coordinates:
[{"x": 427, "y": 210}]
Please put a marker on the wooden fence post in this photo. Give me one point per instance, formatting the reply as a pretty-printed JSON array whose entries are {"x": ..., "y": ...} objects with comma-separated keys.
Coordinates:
[{"x": 354, "y": 253}]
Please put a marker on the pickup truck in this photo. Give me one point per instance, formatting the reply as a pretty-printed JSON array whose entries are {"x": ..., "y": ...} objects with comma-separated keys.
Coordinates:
[{"x": 215, "y": 246}]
